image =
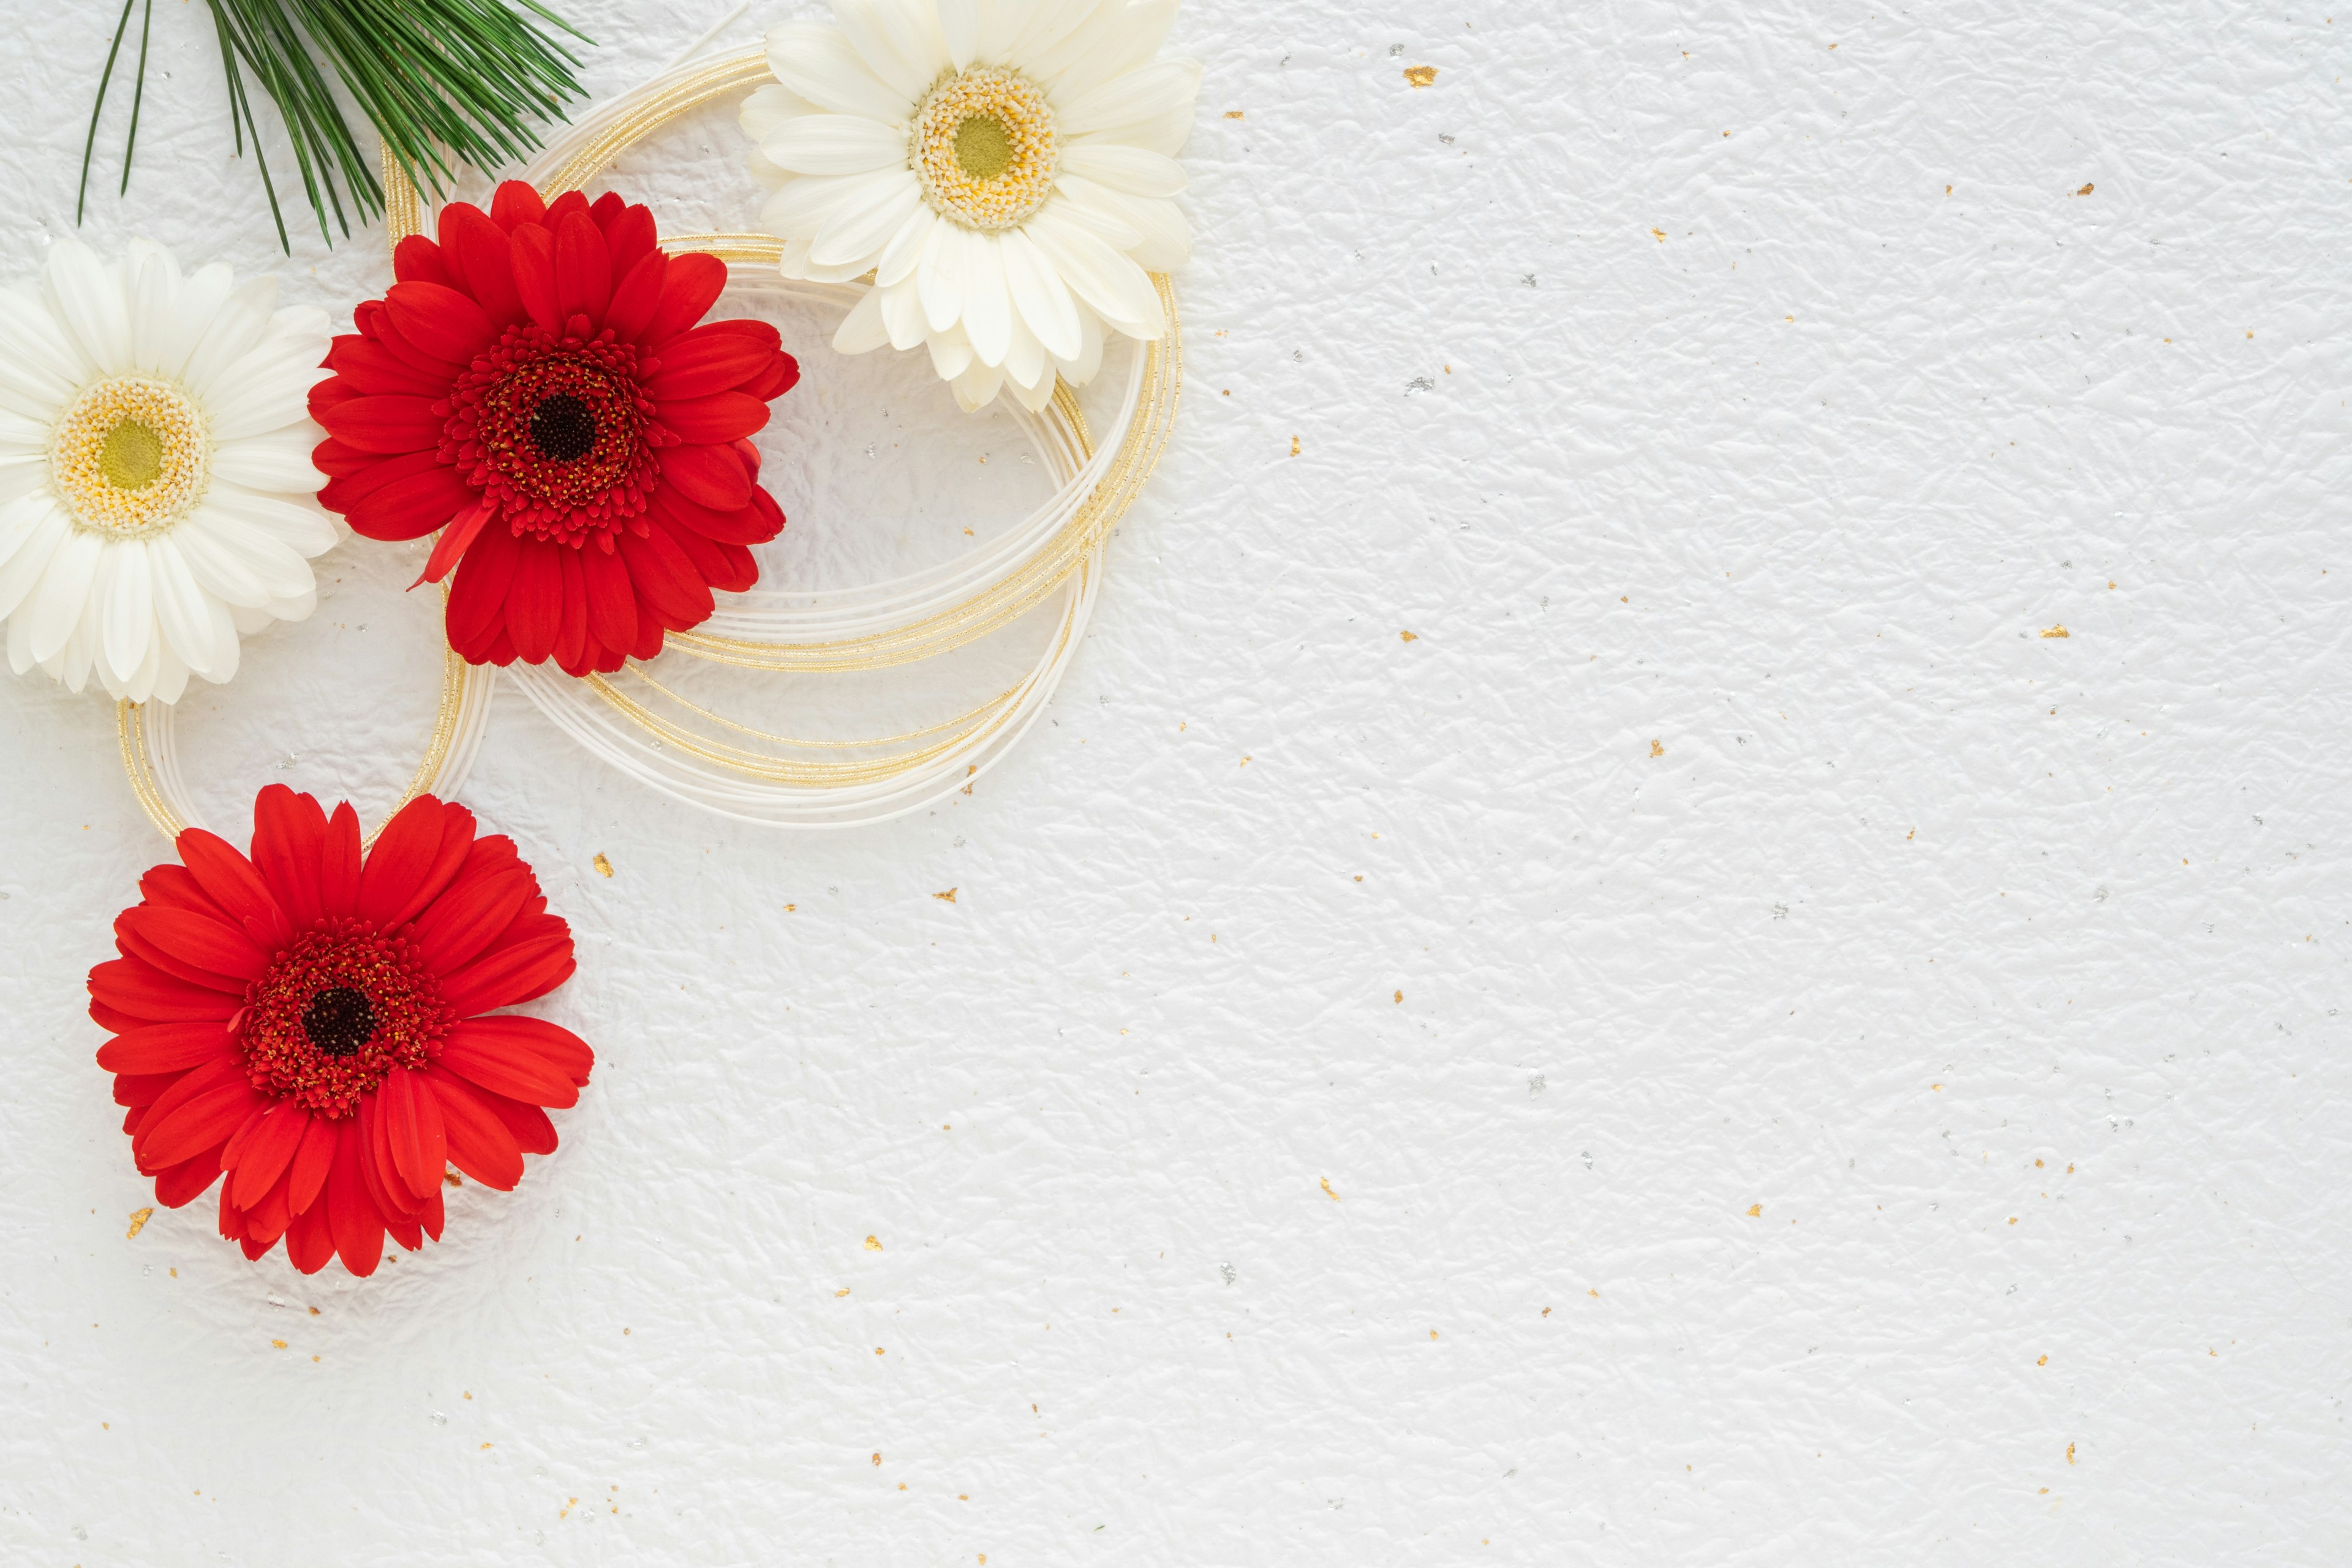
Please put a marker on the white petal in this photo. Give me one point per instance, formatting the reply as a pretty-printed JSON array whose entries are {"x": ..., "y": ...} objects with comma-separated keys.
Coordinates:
[
  {"x": 1160, "y": 240},
  {"x": 277, "y": 566},
  {"x": 279, "y": 461},
  {"x": 1088, "y": 363},
  {"x": 950, "y": 353},
  {"x": 126, "y": 609},
  {"x": 858, "y": 230},
  {"x": 1036, "y": 390},
  {"x": 835, "y": 144},
  {"x": 39, "y": 367},
  {"x": 1140, "y": 97},
  {"x": 861, "y": 331},
  {"x": 959, "y": 30},
  {"x": 222, "y": 572},
  {"x": 1107, "y": 25},
  {"x": 229, "y": 650},
  {"x": 940, "y": 275},
  {"x": 181, "y": 611},
  {"x": 1143, "y": 26},
  {"x": 1027, "y": 33},
  {"x": 771, "y": 105},
  {"x": 1040, "y": 297},
  {"x": 1025, "y": 357},
  {"x": 152, "y": 289},
  {"x": 299, "y": 522},
  {"x": 238, "y": 328},
  {"x": 900, "y": 44},
  {"x": 88, "y": 299},
  {"x": 987, "y": 309},
  {"x": 171, "y": 676},
  {"x": 202, "y": 294},
  {"x": 30, "y": 531},
  {"x": 267, "y": 390},
  {"x": 297, "y": 608},
  {"x": 19, "y": 434},
  {"x": 819, "y": 64},
  {"x": 1096, "y": 210},
  {"x": 905, "y": 251},
  {"x": 976, "y": 388},
  {"x": 71, "y": 662},
  {"x": 1100, "y": 276},
  {"x": 902, "y": 313},
  {"x": 21, "y": 474},
  {"x": 1135, "y": 170},
  {"x": 54, "y": 606},
  {"x": 799, "y": 209}
]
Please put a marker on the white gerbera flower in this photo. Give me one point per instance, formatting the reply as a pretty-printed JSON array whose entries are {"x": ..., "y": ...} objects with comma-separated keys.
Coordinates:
[
  {"x": 156, "y": 488},
  {"x": 1002, "y": 167}
]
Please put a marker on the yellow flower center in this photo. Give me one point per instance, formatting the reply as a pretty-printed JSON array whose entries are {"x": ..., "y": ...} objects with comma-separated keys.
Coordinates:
[
  {"x": 985, "y": 147},
  {"x": 129, "y": 457}
]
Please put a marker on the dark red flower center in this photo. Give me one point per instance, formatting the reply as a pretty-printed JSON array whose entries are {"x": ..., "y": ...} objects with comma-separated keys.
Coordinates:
[
  {"x": 556, "y": 432},
  {"x": 338, "y": 1009},
  {"x": 339, "y": 1020}
]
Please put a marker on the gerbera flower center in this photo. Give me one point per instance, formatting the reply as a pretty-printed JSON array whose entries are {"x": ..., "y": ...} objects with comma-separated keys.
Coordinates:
[
  {"x": 555, "y": 431},
  {"x": 985, "y": 147},
  {"x": 338, "y": 1009},
  {"x": 129, "y": 456}
]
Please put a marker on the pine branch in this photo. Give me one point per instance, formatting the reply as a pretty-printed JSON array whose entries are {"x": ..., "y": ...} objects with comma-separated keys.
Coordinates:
[{"x": 446, "y": 84}]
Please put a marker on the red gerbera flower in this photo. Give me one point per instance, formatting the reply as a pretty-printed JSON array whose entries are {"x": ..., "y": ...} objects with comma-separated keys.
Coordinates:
[
  {"x": 535, "y": 386},
  {"x": 310, "y": 1022}
]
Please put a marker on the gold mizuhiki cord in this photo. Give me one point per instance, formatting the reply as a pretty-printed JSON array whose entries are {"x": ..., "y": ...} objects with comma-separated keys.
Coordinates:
[
  {"x": 140, "y": 748},
  {"x": 1065, "y": 561}
]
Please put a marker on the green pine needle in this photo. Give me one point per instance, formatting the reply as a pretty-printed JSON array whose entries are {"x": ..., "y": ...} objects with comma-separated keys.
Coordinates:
[{"x": 446, "y": 84}]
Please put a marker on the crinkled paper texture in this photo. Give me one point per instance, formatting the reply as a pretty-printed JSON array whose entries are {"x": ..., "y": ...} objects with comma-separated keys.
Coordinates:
[{"x": 1733, "y": 1043}]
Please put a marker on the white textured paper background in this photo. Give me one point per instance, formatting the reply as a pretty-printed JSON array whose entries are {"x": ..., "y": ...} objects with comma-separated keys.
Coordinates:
[{"x": 1868, "y": 1084}]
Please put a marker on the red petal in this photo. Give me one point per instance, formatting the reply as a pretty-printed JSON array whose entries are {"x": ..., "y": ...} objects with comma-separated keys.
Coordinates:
[
  {"x": 612, "y": 605},
  {"x": 166, "y": 1048},
  {"x": 479, "y": 1144},
  {"x": 535, "y": 601},
  {"x": 456, "y": 930},
  {"x": 385, "y": 332},
  {"x": 478, "y": 597},
  {"x": 514, "y": 1072},
  {"x": 264, "y": 1220},
  {"x": 414, "y": 507},
  {"x": 351, "y": 1214},
  {"x": 558, "y": 1047},
  {"x": 516, "y": 202},
  {"x": 207, "y": 1119},
  {"x": 289, "y": 834},
  {"x": 338, "y": 862},
  {"x": 385, "y": 424},
  {"x": 649, "y": 632},
  {"x": 385, "y": 1189},
  {"x": 172, "y": 887},
  {"x": 311, "y": 1161},
  {"x": 629, "y": 234},
  {"x": 720, "y": 565},
  {"x": 723, "y": 416},
  {"x": 311, "y": 1239},
  {"x": 229, "y": 880},
  {"x": 689, "y": 287},
  {"x": 571, "y": 634},
  {"x": 417, "y": 260},
  {"x": 180, "y": 1186},
  {"x": 746, "y": 525},
  {"x": 136, "y": 1089},
  {"x": 708, "y": 476},
  {"x": 366, "y": 368},
  {"x": 456, "y": 849},
  {"x": 510, "y": 977},
  {"x": 346, "y": 492},
  {"x": 454, "y": 541},
  {"x": 775, "y": 381},
  {"x": 563, "y": 206},
  {"x": 336, "y": 460},
  {"x": 584, "y": 269},
  {"x": 440, "y": 320},
  {"x": 413, "y": 1128},
  {"x": 430, "y": 1216},
  {"x": 404, "y": 1231},
  {"x": 408, "y": 847},
  {"x": 232, "y": 1219},
  {"x": 534, "y": 251},
  {"x": 477, "y": 250},
  {"x": 639, "y": 294},
  {"x": 533, "y": 1133},
  {"x": 708, "y": 361},
  {"x": 607, "y": 209},
  {"x": 137, "y": 989},
  {"x": 665, "y": 580},
  {"x": 208, "y": 945},
  {"x": 254, "y": 1167},
  {"x": 134, "y": 942}
]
